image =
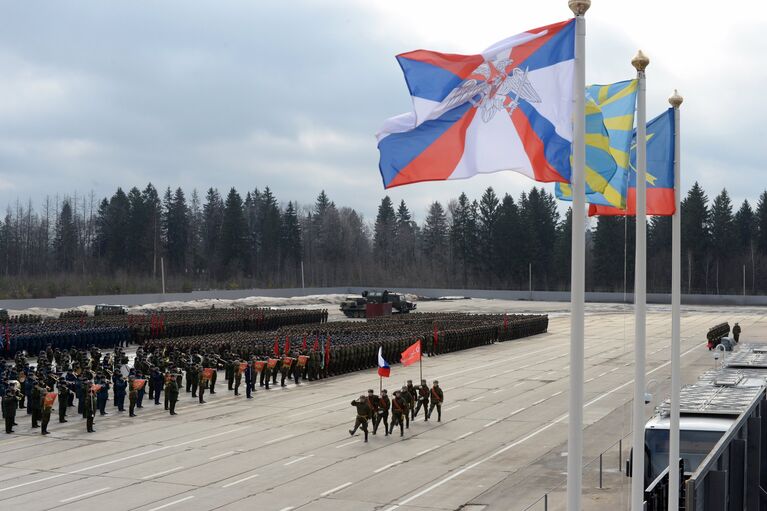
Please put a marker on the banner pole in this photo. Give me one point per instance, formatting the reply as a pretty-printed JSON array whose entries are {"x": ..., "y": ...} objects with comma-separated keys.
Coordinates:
[
  {"x": 676, "y": 302},
  {"x": 578, "y": 264},
  {"x": 640, "y": 62}
]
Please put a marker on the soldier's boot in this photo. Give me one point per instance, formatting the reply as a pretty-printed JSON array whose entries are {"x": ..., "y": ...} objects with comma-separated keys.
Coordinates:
[{"x": 366, "y": 435}]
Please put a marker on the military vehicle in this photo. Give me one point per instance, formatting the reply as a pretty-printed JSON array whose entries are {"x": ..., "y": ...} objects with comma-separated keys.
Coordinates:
[
  {"x": 356, "y": 306},
  {"x": 109, "y": 310}
]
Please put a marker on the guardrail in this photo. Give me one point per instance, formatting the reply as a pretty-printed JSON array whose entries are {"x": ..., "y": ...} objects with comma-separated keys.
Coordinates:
[
  {"x": 656, "y": 495},
  {"x": 734, "y": 474}
]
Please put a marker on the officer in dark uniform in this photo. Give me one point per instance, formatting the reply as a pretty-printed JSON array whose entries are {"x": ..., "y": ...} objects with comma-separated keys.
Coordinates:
[
  {"x": 736, "y": 332},
  {"x": 10, "y": 405},
  {"x": 249, "y": 380},
  {"x": 34, "y": 401},
  {"x": 64, "y": 394},
  {"x": 382, "y": 413},
  {"x": 237, "y": 377},
  {"x": 399, "y": 411},
  {"x": 407, "y": 398},
  {"x": 90, "y": 407},
  {"x": 171, "y": 389},
  {"x": 132, "y": 397},
  {"x": 46, "y": 411}
]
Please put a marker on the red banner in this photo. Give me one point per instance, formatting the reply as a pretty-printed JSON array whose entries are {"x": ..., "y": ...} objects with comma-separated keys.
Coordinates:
[
  {"x": 95, "y": 388},
  {"x": 207, "y": 373},
  {"x": 412, "y": 354},
  {"x": 276, "y": 347},
  {"x": 139, "y": 384},
  {"x": 259, "y": 365},
  {"x": 50, "y": 398},
  {"x": 287, "y": 345},
  {"x": 286, "y": 361},
  {"x": 243, "y": 366},
  {"x": 316, "y": 346},
  {"x": 302, "y": 360},
  {"x": 272, "y": 363}
]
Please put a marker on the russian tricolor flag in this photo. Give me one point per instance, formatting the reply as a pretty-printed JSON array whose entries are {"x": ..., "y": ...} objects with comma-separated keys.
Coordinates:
[{"x": 383, "y": 367}]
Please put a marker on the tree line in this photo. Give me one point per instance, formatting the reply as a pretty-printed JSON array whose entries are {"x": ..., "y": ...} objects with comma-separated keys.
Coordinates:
[{"x": 121, "y": 244}]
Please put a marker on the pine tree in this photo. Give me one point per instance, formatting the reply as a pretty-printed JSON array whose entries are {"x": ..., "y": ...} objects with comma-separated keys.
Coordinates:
[
  {"x": 746, "y": 233},
  {"x": 506, "y": 240},
  {"x": 233, "y": 238},
  {"x": 435, "y": 241},
  {"x": 177, "y": 232},
  {"x": 65, "y": 240},
  {"x": 406, "y": 239},
  {"x": 607, "y": 254},
  {"x": 213, "y": 217},
  {"x": 489, "y": 250},
  {"x": 290, "y": 241},
  {"x": 722, "y": 237},
  {"x": 463, "y": 237},
  {"x": 695, "y": 239},
  {"x": 384, "y": 238}
]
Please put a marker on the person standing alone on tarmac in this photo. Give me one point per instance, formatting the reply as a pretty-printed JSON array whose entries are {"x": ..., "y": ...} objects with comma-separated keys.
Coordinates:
[{"x": 736, "y": 332}]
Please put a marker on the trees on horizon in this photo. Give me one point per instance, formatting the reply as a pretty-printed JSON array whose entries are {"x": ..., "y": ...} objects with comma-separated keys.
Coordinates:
[{"x": 497, "y": 242}]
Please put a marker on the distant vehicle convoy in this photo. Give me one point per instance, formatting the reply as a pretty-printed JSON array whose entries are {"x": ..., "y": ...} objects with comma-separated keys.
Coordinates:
[{"x": 357, "y": 306}]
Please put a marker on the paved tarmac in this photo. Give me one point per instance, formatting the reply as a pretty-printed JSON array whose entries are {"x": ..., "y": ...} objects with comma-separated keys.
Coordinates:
[{"x": 501, "y": 444}]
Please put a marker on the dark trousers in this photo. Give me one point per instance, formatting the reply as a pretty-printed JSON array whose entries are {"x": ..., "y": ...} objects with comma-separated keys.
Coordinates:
[
  {"x": 120, "y": 402},
  {"x": 439, "y": 410},
  {"x": 44, "y": 424},
  {"x": 131, "y": 407},
  {"x": 9, "y": 424},
  {"x": 381, "y": 417},
  {"x": 194, "y": 389},
  {"x": 62, "y": 413},
  {"x": 362, "y": 423},
  {"x": 89, "y": 424},
  {"x": 35, "y": 417},
  {"x": 425, "y": 404},
  {"x": 397, "y": 420},
  {"x": 248, "y": 388},
  {"x": 157, "y": 396},
  {"x": 202, "y": 392},
  {"x": 172, "y": 405}
]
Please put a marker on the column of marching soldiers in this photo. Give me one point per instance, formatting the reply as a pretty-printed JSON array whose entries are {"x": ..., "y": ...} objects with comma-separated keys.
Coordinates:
[{"x": 185, "y": 350}]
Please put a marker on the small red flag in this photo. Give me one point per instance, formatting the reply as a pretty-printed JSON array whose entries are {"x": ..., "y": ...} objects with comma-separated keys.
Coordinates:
[
  {"x": 276, "y": 347},
  {"x": 327, "y": 352},
  {"x": 316, "y": 346},
  {"x": 412, "y": 354},
  {"x": 303, "y": 346},
  {"x": 287, "y": 345}
]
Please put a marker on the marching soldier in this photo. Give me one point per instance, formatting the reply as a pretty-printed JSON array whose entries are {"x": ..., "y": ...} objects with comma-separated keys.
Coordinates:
[
  {"x": 423, "y": 400},
  {"x": 237, "y": 377},
  {"x": 382, "y": 413},
  {"x": 407, "y": 398},
  {"x": 34, "y": 401},
  {"x": 249, "y": 380},
  {"x": 363, "y": 414},
  {"x": 399, "y": 410},
  {"x": 202, "y": 383},
  {"x": 436, "y": 400}
]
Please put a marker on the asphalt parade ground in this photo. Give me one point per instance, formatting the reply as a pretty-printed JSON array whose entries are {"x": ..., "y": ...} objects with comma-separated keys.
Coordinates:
[{"x": 501, "y": 444}]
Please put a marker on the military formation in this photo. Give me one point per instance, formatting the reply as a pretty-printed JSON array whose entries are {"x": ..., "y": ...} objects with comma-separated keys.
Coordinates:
[{"x": 92, "y": 381}]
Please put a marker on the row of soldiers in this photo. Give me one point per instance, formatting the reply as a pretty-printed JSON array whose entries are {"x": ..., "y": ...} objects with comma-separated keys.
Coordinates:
[
  {"x": 404, "y": 406},
  {"x": 120, "y": 330}
]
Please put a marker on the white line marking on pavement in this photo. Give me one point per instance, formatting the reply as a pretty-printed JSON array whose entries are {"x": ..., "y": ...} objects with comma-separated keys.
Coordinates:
[
  {"x": 298, "y": 459},
  {"x": 555, "y": 394},
  {"x": 612, "y": 370},
  {"x": 240, "y": 481},
  {"x": 452, "y": 408},
  {"x": 517, "y": 411},
  {"x": 280, "y": 439},
  {"x": 538, "y": 402},
  {"x": 390, "y": 465},
  {"x": 161, "y": 473},
  {"x": 602, "y": 374},
  {"x": 535, "y": 433},
  {"x": 496, "y": 391},
  {"x": 289, "y": 508},
  {"x": 589, "y": 380},
  {"x": 477, "y": 398},
  {"x": 125, "y": 458},
  {"x": 493, "y": 375},
  {"x": 337, "y": 488},
  {"x": 347, "y": 443},
  {"x": 464, "y": 435},
  {"x": 84, "y": 495},
  {"x": 172, "y": 503},
  {"x": 217, "y": 456},
  {"x": 427, "y": 450},
  {"x": 496, "y": 421}
]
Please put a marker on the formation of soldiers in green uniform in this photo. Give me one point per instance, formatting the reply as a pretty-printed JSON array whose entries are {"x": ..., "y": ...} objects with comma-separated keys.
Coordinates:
[
  {"x": 164, "y": 368},
  {"x": 28, "y": 333}
]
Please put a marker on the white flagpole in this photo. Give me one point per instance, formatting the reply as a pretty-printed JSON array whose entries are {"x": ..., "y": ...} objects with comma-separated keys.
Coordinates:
[
  {"x": 676, "y": 300},
  {"x": 578, "y": 265},
  {"x": 640, "y": 62}
]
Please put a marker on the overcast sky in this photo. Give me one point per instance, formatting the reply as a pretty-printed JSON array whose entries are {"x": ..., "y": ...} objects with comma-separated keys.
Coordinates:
[{"x": 199, "y": 94}]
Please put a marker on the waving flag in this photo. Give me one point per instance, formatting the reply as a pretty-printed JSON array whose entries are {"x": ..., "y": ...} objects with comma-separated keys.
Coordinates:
[
  {"x": 383, "y": 366},
  {"x": 412, "y": 354},
  {"x": 616, "y": 103},
  {"x": 660, "y": 172},
  {"x": 507, "y": 108}
]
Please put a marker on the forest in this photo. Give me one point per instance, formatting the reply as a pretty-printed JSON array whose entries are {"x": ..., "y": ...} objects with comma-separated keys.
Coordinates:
[{"x": 79, "y": 245}]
